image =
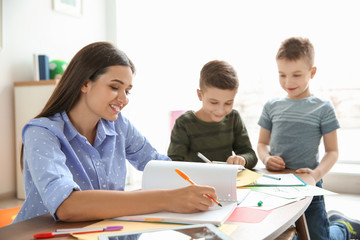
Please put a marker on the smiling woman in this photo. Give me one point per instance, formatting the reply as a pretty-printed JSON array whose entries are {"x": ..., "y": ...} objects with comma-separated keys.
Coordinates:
[
  {"x": 75, "y": 151},
  {"x": 106, "y": 97}
]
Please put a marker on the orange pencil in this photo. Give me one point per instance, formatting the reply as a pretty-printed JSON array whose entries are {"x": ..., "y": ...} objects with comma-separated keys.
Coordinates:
[{"x": 186, "y": 177}]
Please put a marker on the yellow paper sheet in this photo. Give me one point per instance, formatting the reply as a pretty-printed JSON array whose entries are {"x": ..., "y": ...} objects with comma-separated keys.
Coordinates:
[
  {"x": 228, "y": 229},
  {"x": 128, "y": 226},
  {"x": 245, "y": 177}
]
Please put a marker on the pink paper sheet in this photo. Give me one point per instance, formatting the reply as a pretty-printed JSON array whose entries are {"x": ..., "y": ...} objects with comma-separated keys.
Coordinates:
[{"x": 248, "y": 215}]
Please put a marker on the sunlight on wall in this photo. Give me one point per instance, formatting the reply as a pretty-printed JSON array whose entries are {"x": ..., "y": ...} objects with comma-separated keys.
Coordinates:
[{"x": 170, "y": 41}]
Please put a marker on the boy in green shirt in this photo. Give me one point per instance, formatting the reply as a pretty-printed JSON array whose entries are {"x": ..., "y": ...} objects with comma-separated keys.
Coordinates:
[{"x": 216, "y": 130}]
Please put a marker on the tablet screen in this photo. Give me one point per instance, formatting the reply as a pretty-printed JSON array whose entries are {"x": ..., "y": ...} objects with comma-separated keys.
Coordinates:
[{"x": 197, "y": 233}]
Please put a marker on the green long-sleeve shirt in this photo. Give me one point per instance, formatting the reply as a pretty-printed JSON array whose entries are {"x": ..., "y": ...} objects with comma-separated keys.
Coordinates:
[{"x": 215, "y": 140}]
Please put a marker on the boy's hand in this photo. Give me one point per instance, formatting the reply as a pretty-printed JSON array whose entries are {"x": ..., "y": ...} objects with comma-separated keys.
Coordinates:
[
  {"x": 310, "y": 172},
  {"x": 236, "y": 160},
  {"x": 274, "y": 163}
]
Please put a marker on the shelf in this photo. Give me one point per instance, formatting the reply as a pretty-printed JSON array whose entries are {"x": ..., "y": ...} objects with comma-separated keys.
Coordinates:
[
  {"x": 30, "y": 98},
  {"x": 36, "y": 83}
]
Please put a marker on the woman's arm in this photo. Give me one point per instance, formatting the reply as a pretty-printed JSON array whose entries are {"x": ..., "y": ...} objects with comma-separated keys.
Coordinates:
[{"x": 102, "y": 204}]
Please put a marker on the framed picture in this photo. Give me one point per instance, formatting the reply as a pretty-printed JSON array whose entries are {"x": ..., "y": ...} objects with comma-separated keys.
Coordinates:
[{"x": 69, "y": 7}]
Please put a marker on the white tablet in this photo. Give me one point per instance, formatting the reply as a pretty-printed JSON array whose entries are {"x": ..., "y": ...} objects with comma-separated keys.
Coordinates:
[{"x": 181, "y": 232}]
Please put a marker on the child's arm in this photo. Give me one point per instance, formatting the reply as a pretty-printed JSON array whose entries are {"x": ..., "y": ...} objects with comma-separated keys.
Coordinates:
[
  {"x": 329, "y": 159},
  {"x": 263, "y": 149},
  {"x": 179, "y": 143},
  {"x": 244, "y": 153}
]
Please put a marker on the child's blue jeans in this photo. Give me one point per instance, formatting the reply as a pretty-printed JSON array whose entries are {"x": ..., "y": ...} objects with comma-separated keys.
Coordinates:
[{"x": 318, "y": 224}]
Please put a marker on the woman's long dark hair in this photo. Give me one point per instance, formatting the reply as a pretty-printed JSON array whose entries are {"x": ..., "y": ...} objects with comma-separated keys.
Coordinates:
[{"x": 88, "y": 64}]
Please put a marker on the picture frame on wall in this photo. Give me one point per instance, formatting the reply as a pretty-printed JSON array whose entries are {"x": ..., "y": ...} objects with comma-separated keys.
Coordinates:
[{"x": 68, "y": 7}]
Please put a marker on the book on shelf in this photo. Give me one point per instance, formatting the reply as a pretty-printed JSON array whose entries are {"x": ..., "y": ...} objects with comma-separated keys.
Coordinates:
[
  {"x": 44, "y": 70},
  {"x": 41, "y": 67},
  {"x": 161, "y": 175},
  {"x": 36, "y": 67}
]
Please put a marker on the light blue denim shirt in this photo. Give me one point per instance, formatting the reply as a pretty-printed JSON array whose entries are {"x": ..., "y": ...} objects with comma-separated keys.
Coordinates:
[{"x": 58, "y": 160}]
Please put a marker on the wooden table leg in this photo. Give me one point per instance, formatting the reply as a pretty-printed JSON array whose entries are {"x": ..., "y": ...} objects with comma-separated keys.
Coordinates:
[{"x": 302, "y": 229}]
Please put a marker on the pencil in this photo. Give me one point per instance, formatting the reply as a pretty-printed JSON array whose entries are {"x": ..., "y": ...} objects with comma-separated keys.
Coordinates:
[
  {"x": 268, "y": 176},
  {"x": 205, "y": 159}
]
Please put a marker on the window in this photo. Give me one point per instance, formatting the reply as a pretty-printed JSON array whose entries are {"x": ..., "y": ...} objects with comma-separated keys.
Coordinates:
[{"x": 170, "y": 41}]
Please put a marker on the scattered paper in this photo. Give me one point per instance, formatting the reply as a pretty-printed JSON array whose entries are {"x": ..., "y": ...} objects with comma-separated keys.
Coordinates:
[
  {"x": 248, "y": 215},
  {"x": 288, "y": 179},
  {"x": 246, "y": 177},
  {"x": 268, "y": 201},
  {"x": 293, "y": 192}
]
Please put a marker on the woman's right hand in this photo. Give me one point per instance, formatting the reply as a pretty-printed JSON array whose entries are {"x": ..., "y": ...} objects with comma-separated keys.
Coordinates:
[{"x": 190, "y": 199}]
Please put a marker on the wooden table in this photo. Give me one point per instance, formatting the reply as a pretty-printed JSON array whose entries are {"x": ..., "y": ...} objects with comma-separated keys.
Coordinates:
[{"x": 271, "y": 227}]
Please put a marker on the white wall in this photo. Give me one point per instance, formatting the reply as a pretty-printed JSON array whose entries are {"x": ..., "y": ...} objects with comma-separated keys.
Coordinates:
[
  {"x": 170, "y": 41},
  {"x": 31, "y": 26}
]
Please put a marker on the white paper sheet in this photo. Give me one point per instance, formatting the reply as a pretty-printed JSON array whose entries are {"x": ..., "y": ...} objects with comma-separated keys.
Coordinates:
[
  {"x": 288, "y": 179},
  {"x": 268, "y": 201},
  {"x": 162, "y": 175},
  {"x": 293, "y": 192}
]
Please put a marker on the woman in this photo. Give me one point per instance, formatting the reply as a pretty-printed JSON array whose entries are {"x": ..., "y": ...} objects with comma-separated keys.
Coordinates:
[{"x": 74, "y": 151}]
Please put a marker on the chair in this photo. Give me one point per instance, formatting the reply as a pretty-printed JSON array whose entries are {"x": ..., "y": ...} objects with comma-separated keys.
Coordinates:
[
  {"x": 300, "y": 229},
  {"x": 7, "y": 215},
  {"x": 288, "y": 234},
  {"x": 173, "y": 116}
]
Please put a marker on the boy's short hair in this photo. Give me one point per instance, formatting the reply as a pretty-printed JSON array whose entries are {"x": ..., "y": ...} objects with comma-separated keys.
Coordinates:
[
  {"x": 219, "y": 74},
  {"x": 295, "y": 48}
]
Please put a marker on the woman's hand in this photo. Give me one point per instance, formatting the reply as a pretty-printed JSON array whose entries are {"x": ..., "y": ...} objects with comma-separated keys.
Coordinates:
[{"x": 190, "y": 199}]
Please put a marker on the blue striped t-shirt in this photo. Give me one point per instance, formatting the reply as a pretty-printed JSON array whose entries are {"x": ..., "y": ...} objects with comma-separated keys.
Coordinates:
[{"x": 296, "y": 127}]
